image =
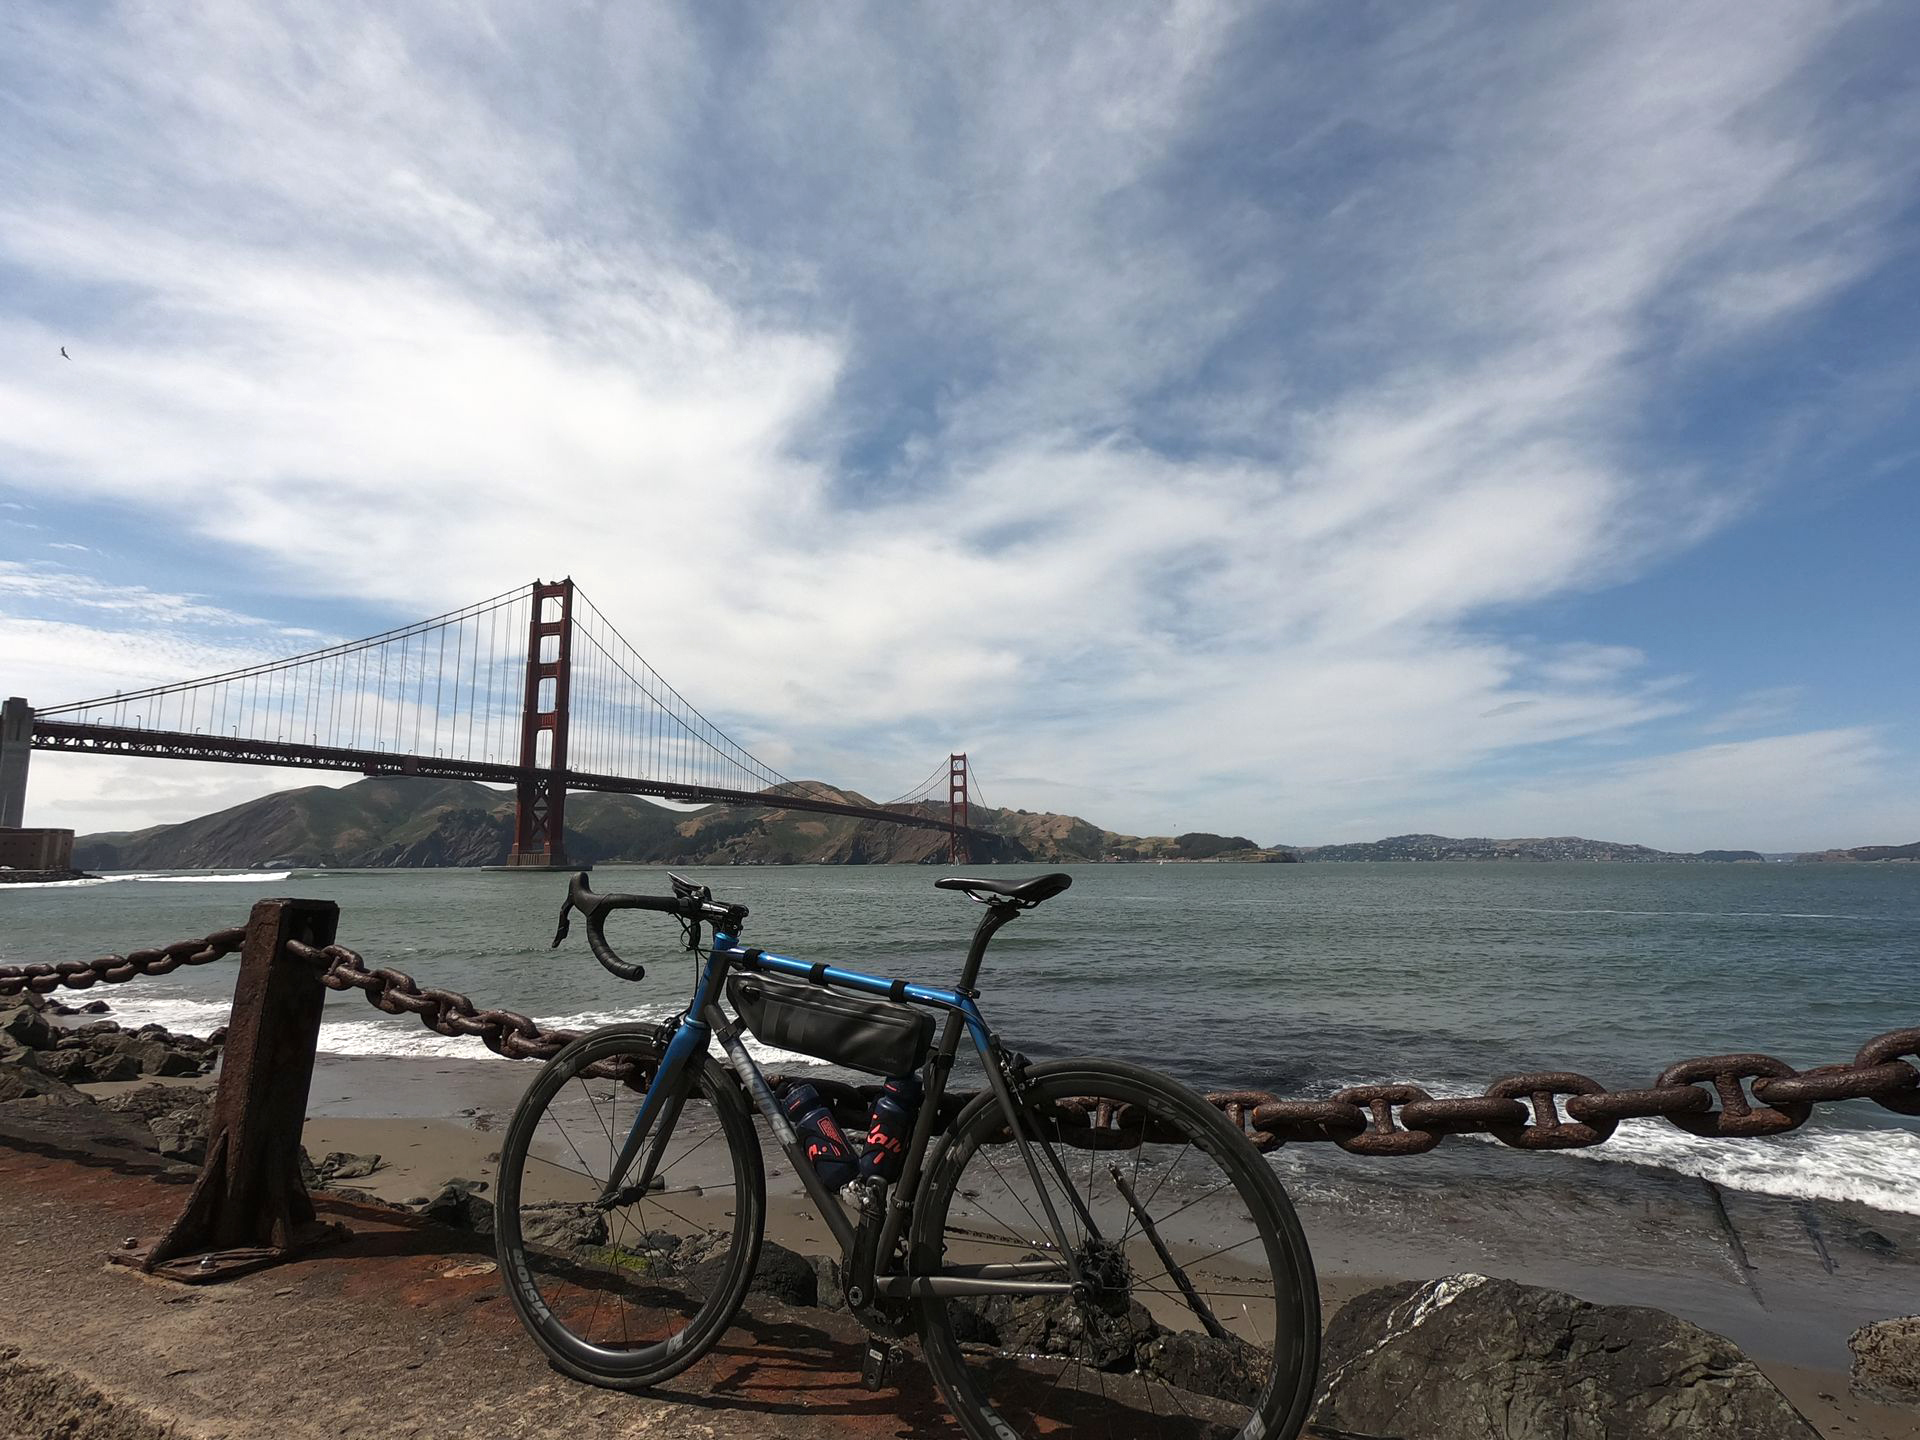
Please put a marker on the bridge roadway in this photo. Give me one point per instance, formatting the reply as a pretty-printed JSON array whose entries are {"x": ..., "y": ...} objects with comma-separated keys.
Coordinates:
[{"x": 72, "y": 737}]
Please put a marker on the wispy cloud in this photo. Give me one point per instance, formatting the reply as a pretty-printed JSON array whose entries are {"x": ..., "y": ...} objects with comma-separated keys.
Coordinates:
[
  {"x": 1756, "y": 710},
  {"x": 1169, "y": 407}
]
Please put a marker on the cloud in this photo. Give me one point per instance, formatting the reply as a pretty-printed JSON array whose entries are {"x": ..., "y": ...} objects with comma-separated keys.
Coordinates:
[
  {"x": 1818, "y": 789},
  {"x": 1173, "y": 407},
  {"x": 1757, "y": 710}
]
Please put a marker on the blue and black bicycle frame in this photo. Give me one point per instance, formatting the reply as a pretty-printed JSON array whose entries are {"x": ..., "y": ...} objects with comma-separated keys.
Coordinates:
[{"x": 870, "y": 1246}]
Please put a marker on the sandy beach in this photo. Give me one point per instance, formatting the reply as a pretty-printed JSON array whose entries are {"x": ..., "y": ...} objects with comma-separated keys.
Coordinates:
[{"x": 1787, "y": 1280}]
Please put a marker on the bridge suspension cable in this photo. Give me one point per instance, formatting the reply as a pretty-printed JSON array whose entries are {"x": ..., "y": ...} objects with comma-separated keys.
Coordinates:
[{"x": 533, "y": 687}]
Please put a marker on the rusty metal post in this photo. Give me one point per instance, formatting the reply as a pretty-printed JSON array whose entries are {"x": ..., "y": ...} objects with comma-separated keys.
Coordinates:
[{"x": 250, "y": 1207}]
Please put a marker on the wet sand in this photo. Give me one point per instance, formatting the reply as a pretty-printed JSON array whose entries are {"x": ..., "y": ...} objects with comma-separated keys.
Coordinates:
[{"x": 1786, "y": 1280}]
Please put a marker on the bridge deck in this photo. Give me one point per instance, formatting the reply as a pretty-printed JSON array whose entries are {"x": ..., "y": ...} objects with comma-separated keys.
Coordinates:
[{"x": 77, "y": 737}]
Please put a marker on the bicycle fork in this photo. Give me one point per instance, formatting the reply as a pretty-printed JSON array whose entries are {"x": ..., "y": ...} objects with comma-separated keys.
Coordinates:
[{"x": 659, "y": 1113}]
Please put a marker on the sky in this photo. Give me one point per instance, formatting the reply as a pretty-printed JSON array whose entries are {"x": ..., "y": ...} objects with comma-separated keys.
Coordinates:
[{"x": 1311, "y": 422}]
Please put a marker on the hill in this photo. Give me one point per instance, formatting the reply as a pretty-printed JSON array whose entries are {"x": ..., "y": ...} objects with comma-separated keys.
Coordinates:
[
  {"x": 396, "y": 821},
  {"x": 1553, "y": 847},
  {"x": 1870, "y": 852}
]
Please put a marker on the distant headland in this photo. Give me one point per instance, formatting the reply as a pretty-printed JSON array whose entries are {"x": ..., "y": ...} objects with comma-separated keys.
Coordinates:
[{"x": 397, "y": 822}]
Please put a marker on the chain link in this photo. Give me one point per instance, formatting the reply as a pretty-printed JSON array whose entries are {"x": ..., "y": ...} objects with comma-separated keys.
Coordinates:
[
  {"x": 1523, "y": 1110},
  {"x": 117, "y": 969},
  {"x": 1363, "y": 1118}
]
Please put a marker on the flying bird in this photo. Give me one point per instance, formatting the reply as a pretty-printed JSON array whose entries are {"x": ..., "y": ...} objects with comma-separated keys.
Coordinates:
[{"x": 63, "y": 353}]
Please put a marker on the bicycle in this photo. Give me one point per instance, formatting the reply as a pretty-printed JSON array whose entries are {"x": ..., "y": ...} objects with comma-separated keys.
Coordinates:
[{"x": 1159, "y": 1285}]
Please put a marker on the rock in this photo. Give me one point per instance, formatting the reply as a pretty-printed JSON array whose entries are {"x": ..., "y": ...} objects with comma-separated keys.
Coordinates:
[
  {"x": 1227, "y": 1369},
  {"x": 562, "y": 1225},
  {"x": 341, "y": 1166},
  {"x": 177, "y": 1117},
  {"x": 458, "y": 1206},
  {"x": 148, "y": 1054},
  {"x": 1102, "y": 1337},
  {"x": 95, "y": 1007},
  {"x": 84, "y": 1067},
  {"x": 1886, "y": 1360},
  {"x": 78, "y": 1035},
  {"x": 29, "y": 1082},
  {"x": 1468, "y": 1357},
  {"x": 829, "y": 1289},
  {"x": 29, "y": 1028},
  {"x": 781, "y": 1274}
]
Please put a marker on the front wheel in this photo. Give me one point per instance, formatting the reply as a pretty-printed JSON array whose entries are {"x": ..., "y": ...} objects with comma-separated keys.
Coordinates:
[
  {"x": 1198, "y": 1314},
  {"x": 626, "y": 1295}
]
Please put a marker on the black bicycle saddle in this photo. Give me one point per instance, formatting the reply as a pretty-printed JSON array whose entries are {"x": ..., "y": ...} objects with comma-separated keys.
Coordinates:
[{"x": 1024, "y": 892}]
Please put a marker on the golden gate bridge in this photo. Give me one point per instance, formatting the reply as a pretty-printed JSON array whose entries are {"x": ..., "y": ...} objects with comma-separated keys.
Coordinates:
[{"x": 533, "y": 688}]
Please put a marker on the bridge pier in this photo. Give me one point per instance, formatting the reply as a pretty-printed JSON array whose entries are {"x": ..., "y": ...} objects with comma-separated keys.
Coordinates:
[{"x": 16, "y": 745}]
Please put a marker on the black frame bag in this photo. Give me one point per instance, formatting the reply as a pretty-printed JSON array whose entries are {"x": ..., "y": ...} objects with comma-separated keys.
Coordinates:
[{"x": 877, "y": 1036}]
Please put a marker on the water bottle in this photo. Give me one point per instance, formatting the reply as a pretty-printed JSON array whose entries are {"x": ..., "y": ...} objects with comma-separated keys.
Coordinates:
[
  {"x": 890, "y": 1126},
  {"x": 826, "y": 1144}
]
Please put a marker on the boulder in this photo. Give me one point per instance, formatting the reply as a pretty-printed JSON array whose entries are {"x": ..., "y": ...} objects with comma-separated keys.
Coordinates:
[
  {"x": 151, "y": 1053},
  {"x": 29, "y": 1082},
  {"x": 339, "y": 1165},
  {"x": 781, "y": 1274},
  {"x": 84, "y": 1067},
  {"x": 177, "y": 1117},
  {"x": 75, "y": 1036},
  {"x": 28, "y": 1028},
  {"x": 1468, "y": 1357},
  {"x": 829, "y": 1289},
  {"x": 459, "y": 1206},
  {"x": 1102, "y": 1336},
  {"x": 1225, "y": 1368},
  {"x": 94, "y": 1007},
  {"x": 1886, "y": 1360},
  {"x": 560, "y": 1226}
]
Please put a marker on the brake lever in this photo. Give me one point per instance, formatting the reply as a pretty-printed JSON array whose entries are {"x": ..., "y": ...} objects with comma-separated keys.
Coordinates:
[{"x": 560, "y": 931}]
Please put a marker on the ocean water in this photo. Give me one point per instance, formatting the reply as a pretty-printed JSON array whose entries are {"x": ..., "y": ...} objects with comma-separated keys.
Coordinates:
[{"x": 1297, "y": 979}]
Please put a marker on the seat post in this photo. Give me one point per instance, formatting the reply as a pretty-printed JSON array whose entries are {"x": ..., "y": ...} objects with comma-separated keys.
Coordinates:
[{"x": 998, "y": 913}]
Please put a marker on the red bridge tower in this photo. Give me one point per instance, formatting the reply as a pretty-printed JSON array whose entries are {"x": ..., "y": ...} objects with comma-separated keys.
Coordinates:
[
  {"x": 957, "y": 823},
  {"x": 540, "y": 802}
]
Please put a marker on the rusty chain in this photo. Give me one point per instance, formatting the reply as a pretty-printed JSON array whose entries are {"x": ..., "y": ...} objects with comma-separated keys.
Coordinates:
[
  {"x": 505, "y": 1032},
  {"x": 1756, "y": 1095},
  {"x": 117, "y": 969}
]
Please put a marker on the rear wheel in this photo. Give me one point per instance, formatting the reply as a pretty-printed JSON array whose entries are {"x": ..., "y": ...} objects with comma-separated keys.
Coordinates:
[
  {"x": 626, "y": 1295},
  {"x": 1198, "y": 1315}
]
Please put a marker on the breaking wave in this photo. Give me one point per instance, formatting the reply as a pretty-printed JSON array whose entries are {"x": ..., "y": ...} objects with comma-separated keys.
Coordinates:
[
  {"x": 342, "y": 1032},
  {"x": 241, "y": 877}
]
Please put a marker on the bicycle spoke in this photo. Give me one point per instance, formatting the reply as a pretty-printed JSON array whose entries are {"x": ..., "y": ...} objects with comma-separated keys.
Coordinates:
[
  {"x": 1133, "y": 1351},
  {"x": 616, "y": 1286}
]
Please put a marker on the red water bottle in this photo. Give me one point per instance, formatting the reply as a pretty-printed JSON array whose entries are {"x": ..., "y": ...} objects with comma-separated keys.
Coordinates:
[
  {"x": 825, "y": 1142},
  {"x": 890, "y": 1126}
]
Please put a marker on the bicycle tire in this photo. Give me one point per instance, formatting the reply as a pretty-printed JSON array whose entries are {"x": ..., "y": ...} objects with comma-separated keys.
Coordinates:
[
  {"x": 635, "y": 1278},
  {"x": 951, "y": 1329}
]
